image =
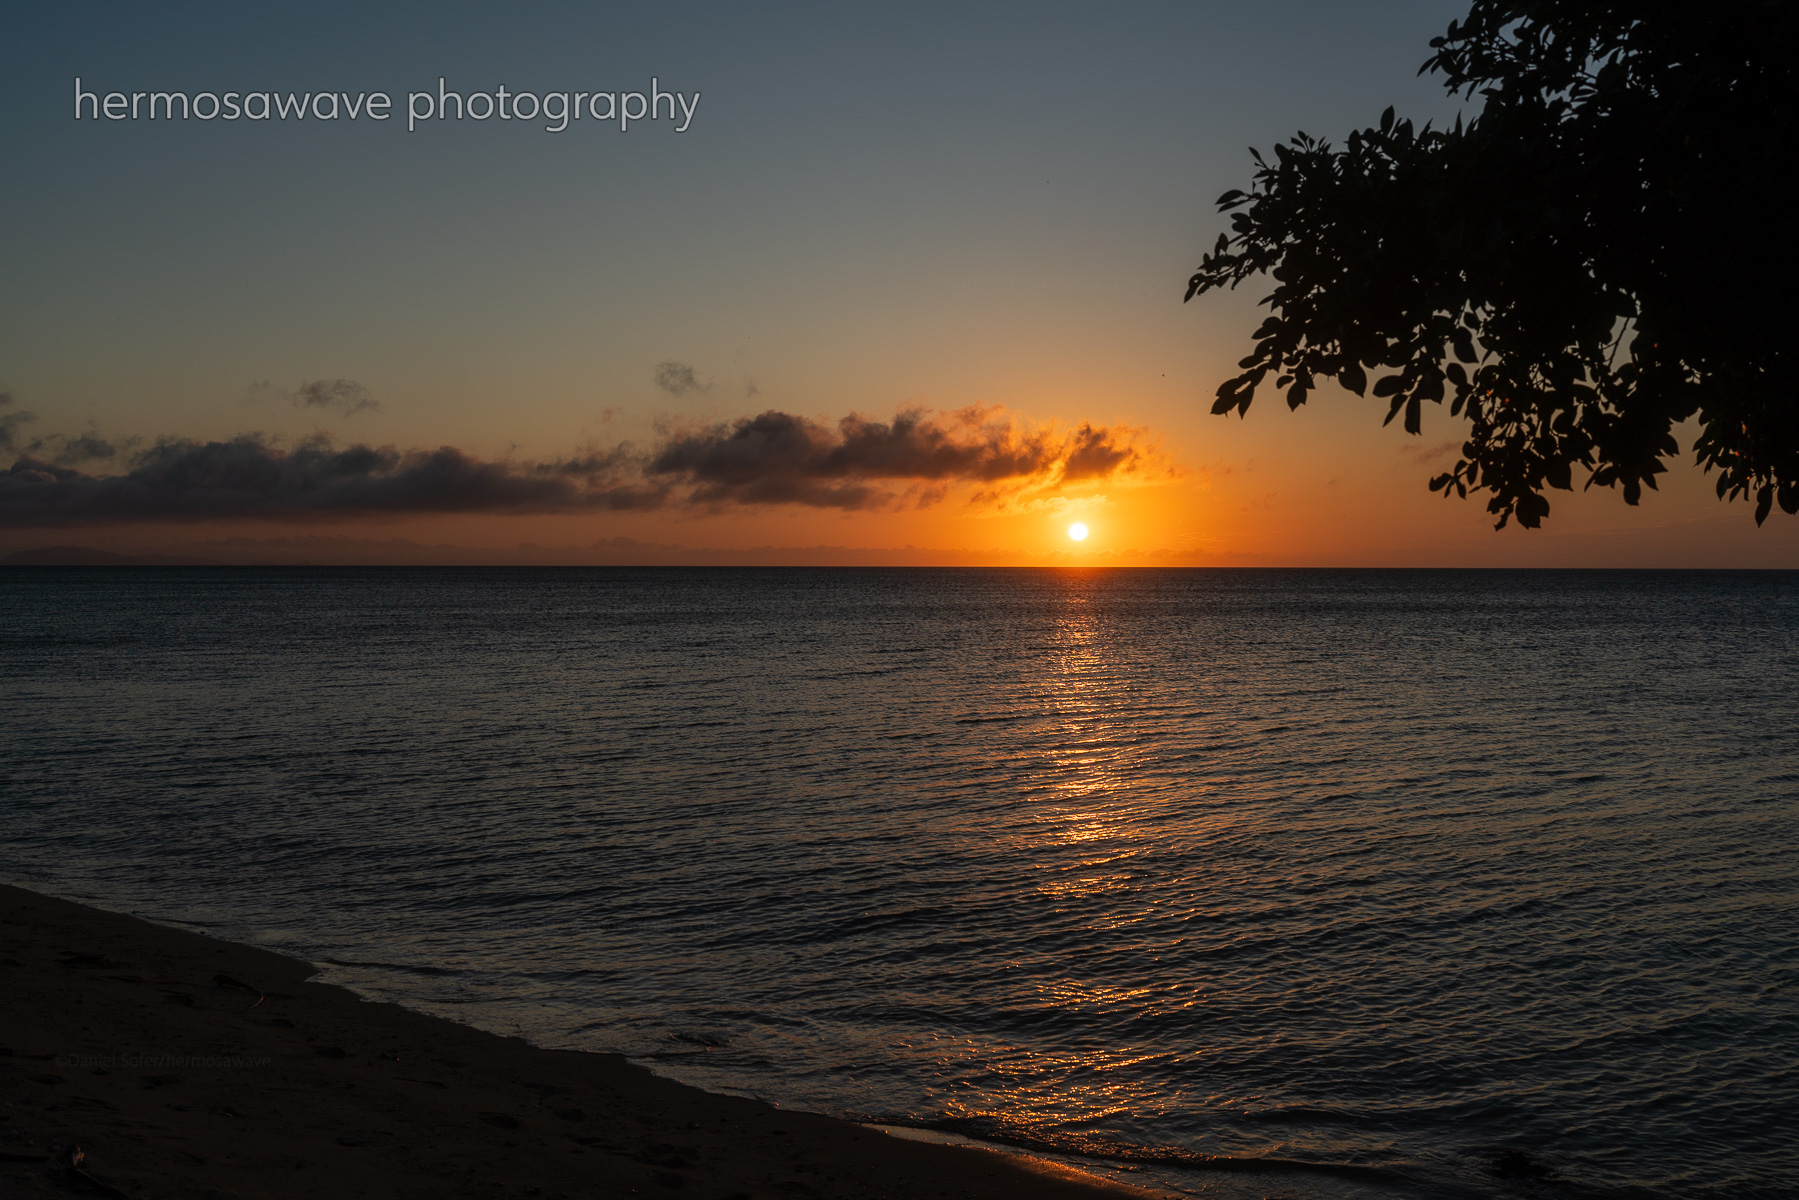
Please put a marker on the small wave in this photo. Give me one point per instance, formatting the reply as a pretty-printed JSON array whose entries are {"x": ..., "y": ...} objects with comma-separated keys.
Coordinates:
[
  {"x": 1107, "y": 1150},
  {"x": 385, "y": 966}
]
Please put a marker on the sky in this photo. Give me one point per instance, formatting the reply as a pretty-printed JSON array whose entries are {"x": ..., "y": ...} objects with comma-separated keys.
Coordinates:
[{"x": 871, "y": 286}]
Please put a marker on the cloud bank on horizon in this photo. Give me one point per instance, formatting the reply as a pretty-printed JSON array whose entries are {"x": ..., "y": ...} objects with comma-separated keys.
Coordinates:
[{"x": 773, "y": 458}]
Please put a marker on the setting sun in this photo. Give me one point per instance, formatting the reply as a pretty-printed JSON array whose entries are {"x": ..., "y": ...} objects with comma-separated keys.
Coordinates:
[{"x": 1078, "y": 532}]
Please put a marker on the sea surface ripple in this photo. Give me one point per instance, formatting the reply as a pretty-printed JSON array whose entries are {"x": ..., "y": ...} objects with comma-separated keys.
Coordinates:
[{"x": 1437, "y": 883}]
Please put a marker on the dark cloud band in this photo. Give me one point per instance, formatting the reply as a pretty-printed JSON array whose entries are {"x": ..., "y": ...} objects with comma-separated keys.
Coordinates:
[
  {"x": 773, "y": 458},
  {"x": 249, "y": 477},
  {"x": 778, "y": 458}
]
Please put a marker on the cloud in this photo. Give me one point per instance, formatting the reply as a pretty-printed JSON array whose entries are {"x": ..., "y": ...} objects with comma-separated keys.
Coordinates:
[
  {"x": 10, "y": 423},
  {"x": 249, "y": 476},
  {"x": 66, "y": 449},
  {"x": 779, "y": 458},
  {"x": 344, "y": 396},
  {"x": 340, "y": 395},
  {"x": 1423, "y": 455},
  {"x": 677, "y": 379},
  {"x": 84, "y": 447},
  {"x": 769, "y": 459},
  {"x": 1053, "y": 506}
]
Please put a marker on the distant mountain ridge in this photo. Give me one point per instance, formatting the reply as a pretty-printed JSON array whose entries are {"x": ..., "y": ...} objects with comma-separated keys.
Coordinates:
[{"x": 83, "y": 556}]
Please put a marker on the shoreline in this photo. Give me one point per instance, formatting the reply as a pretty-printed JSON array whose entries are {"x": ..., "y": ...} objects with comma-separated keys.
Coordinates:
[{"x": 150, "y": 1049}]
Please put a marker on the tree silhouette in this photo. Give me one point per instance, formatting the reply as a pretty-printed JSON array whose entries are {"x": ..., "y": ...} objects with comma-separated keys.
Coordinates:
[{"x": 1605, "y": 250}]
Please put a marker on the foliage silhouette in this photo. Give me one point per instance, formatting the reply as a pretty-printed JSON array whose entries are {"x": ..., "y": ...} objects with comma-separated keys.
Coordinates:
[{"x": 1605, "y": 250}]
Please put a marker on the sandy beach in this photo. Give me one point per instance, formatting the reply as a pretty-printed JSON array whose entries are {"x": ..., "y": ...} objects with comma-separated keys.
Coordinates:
[{"x": 183, "y": 1066}]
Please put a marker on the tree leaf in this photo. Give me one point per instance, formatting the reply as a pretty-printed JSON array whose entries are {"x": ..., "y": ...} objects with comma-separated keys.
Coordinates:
[{"x": 1575, "y": 248}]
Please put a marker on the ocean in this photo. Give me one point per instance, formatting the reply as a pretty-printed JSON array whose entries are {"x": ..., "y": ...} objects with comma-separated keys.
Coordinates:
[{"x": 1265, "y": 882}]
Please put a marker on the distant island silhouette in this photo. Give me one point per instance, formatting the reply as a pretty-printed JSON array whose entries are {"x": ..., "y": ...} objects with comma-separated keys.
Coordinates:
[{"x": 83, "y": 556}]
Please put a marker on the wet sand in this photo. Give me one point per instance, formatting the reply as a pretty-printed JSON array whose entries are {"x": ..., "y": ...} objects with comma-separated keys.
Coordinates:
[{"x": 149, "y": 1049}]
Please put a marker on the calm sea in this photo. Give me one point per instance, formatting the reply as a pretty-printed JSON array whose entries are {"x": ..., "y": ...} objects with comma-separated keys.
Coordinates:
[{"x": 1425, "y": 883}]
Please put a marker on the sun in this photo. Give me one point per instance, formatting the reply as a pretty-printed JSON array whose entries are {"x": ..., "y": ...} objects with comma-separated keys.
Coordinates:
[{"x": 1078, "y": 532}]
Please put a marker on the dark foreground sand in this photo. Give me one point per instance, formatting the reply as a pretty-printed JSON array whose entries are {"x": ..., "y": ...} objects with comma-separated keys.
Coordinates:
[{"x": 121, "y": 1038}]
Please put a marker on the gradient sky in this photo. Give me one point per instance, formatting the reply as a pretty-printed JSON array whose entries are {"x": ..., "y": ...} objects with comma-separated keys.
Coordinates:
[{"x": 925, "y": 208}]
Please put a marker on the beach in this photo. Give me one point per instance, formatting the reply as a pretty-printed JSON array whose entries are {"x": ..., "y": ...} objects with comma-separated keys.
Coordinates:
[{"x": 181, "y": 1066}]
